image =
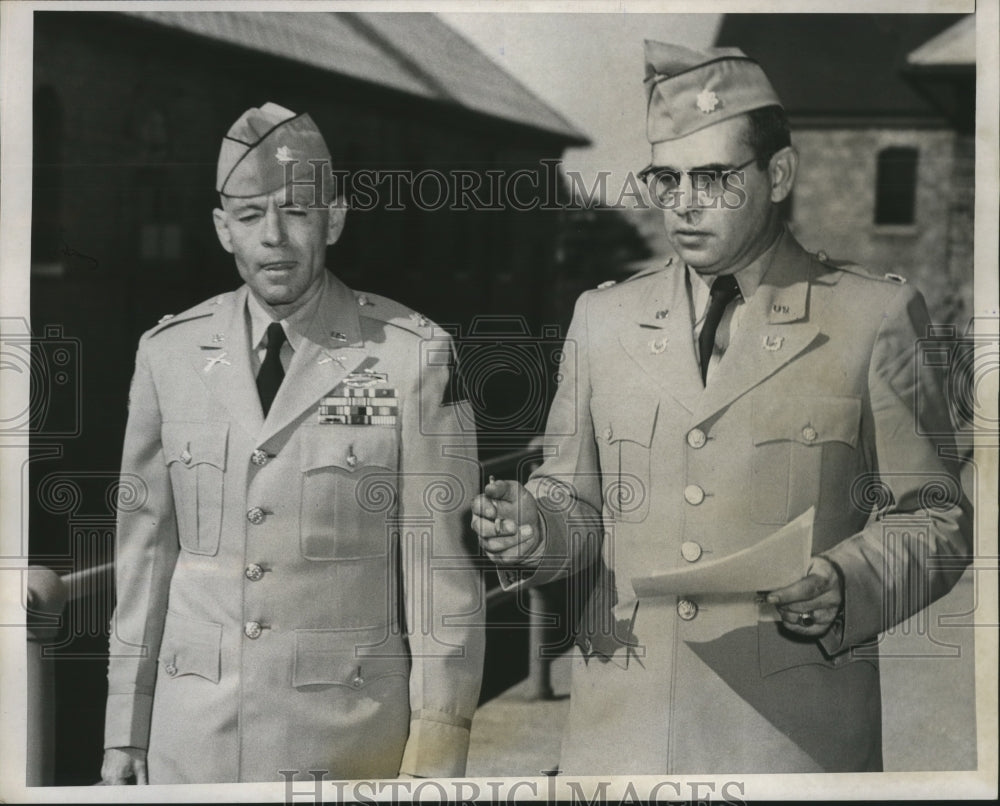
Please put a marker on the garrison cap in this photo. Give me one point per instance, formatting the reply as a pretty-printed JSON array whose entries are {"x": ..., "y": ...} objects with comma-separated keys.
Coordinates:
[
  {"x": 258, "y": 145},
  {"x": 687, "y": 89}
]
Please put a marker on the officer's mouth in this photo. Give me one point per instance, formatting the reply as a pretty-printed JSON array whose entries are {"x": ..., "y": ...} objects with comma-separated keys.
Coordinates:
[
  {"x": 691, "y": 235},
  {"x": 279, "y": 266}
]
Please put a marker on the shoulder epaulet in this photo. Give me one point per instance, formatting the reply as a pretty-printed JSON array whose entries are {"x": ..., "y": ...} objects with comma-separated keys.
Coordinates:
[
  {"x": 375, "y": 306},
  {"x": 638, "y": 275},
  {"x": 858, "y": 270},
  {"x": 202, "y": 309}
]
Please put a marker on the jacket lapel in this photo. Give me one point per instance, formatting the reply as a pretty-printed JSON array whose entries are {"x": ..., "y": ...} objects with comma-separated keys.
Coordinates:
[
  {"x": 773, "y": 330},
  {"x": 222, "y": 360},
  {"x": 662, "y": 343},
  {"x": 333, "y": 347}
]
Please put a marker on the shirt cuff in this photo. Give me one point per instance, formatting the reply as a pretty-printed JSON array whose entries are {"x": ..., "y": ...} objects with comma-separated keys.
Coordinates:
[
  {"x": 126, "y": 721},
  {"x": 832, "y": 642},
  {"x": 437, "y": 747}
]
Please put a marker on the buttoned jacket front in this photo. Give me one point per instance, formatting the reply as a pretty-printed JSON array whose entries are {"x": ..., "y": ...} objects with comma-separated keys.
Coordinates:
[
  {"x": 820, "y": 402},
  {"x": 293, "y": 594}
]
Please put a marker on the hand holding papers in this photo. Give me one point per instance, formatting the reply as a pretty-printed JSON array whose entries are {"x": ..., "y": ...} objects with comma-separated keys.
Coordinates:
[{"x": 778, "y": 560}]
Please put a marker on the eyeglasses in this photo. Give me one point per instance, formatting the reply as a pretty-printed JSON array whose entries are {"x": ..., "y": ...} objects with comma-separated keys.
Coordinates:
[{"x": 664, "y": 183}]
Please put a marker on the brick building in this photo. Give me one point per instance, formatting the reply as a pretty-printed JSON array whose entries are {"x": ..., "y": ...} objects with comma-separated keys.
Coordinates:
[{"x": 882, "y": 113}]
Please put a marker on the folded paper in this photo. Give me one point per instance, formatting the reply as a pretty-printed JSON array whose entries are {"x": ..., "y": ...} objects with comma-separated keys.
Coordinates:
[{"x": 776, "y": 561}]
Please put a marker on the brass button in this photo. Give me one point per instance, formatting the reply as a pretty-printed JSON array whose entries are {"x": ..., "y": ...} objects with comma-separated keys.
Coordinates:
[
  {"x": 352, "y": 460},
  {"x": 254, "y": 572},
  {"x": 809, "y": 434},
  {"x": 255, "y": 515},
  {"x": 171, "y": 670},
  {"x": 252, "y": 629},
  {"x": 696, "y": 438},
  {"x": 687, "y": 609},
  {"x": 690, "y": 551},
  {"x": 607, "y": 434},
  {"x": 358, "y": 681},
  {"x": 186, "y": 456},
  {"x": 693, "y": 494},
  {"x": 259, "y": 457}
]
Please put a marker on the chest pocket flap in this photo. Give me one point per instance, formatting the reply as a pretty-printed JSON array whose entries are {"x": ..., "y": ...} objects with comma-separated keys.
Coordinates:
[
  {"x": 624, "y": 433},
  {"x": 195, "y": 444},
  {"x": 617, "y": 421},
  {"x": 349, "y": 447},
  {"x": 196, "y": 456},
  {"x": 810, "y": 420},
  {"x": 337, "y": 522}
]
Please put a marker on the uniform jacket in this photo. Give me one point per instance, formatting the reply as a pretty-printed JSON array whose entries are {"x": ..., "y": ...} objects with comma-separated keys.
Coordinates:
[
  {"x": 274, "y": 576},
  {"x": 818, "y": 402}
]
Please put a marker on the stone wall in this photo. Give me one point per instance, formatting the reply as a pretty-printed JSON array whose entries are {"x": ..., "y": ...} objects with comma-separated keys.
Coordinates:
[{"x": 834, "y": 210}]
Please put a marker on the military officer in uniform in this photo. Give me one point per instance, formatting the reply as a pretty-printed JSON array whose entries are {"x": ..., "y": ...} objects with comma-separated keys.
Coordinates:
[
  {"x": 294, "y": 587},
  {"x": 708, "y": 404}
]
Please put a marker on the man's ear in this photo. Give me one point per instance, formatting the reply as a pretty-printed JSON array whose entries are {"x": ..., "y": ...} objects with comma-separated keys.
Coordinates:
[
  {"x": 337, "y": 211},
  {"x": 221, "y": 220},
  {"x": 783, "y": 167}
]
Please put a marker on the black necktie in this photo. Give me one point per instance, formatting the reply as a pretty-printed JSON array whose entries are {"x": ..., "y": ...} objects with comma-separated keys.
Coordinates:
[
  {"x": 724, "y": 291},
  {"x": 271, "y": 372}
]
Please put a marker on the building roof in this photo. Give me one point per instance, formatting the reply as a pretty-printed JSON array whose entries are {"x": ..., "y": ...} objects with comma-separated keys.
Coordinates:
[
  {"x": 839, "y": 66},
  {"x": 414, "y": 53},
  {"x": 955, "y": 46}
]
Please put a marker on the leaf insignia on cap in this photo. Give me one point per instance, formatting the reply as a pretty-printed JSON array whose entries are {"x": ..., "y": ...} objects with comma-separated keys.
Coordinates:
[
  {"x": 707, "y": 101},
  {"x": 283, "y": 154}
]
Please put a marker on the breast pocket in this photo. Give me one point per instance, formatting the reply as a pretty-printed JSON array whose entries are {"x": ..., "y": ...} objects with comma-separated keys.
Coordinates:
[
  {"x": 349, "y": 490},
  {"x": 805, "y": 454},
  {"x": 624, "y": 433},
  {"x": 195, "y": 454}
]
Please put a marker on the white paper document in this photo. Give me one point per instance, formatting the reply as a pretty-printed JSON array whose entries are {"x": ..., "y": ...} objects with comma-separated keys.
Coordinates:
[{"x": 778, "y": 560}]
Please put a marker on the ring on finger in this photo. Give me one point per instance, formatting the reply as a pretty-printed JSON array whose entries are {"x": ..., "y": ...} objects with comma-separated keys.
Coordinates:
[{"x": 806, "y": 619}]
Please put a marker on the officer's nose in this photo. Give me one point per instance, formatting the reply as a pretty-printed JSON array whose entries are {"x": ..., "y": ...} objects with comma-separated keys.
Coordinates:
[
  {"x": 689, "y": 199},
  {"x": 274, "y": 225}
]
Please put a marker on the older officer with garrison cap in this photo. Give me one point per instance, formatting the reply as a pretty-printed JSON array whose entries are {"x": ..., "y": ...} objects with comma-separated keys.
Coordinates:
[
  {"x": 709, "y": 403},
  {"x": 294, "y": 591}
]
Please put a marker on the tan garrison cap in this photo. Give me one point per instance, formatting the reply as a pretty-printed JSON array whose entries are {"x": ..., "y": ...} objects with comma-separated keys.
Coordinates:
[
  {"x": 687, "y": 90},
  {"x": 258, "y": 146}
]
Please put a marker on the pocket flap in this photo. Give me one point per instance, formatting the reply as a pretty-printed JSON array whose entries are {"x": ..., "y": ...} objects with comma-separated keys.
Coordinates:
[
  {"x": 190, "y": 646},
  {"x": 615, "y": 422},
  {"x": 195, "y": 443},
  {"x": 810, "y": 420},
  {"x": 778, "y": 650},
  {"x": 337, "y": 658},
  {"x": 349, "y": 447}
]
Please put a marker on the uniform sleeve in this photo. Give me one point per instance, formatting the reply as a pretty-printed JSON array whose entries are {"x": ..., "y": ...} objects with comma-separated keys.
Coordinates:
[
  {"x": 915, "y": 550},
  {"x": 145, "y": 553},
  {"x": 444, "y": 603},
  {"x": 567, "y": 487}
]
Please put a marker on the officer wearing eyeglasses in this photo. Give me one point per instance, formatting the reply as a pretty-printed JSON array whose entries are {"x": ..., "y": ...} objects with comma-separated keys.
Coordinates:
[{"x": 702, "y": 407}]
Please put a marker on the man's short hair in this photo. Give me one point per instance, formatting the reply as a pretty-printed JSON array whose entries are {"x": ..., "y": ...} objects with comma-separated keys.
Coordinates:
[{"x": 767, "y": 133}]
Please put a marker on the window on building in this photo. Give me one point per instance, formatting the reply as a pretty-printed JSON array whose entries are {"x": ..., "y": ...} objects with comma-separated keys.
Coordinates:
[{"x": 896, "y": 186}]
